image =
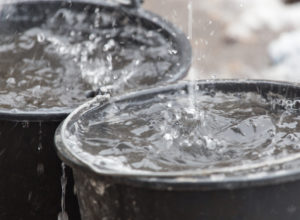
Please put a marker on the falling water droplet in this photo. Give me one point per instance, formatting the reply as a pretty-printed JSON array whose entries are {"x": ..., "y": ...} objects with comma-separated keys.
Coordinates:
[{"x": 40, "y": 169}]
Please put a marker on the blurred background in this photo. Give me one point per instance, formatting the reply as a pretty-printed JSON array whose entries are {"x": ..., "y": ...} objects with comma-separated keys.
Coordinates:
[{"x": 258, "y": 39}]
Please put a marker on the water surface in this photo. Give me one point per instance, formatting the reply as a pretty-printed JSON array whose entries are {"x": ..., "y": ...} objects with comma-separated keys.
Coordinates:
[
  {"x": 59, "y": 62},
  {"x": 198, "y": 131}
]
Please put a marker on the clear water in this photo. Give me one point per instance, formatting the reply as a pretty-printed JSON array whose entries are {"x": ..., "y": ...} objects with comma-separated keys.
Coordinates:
[
  {"x": 59, "y": 62},
  {"x": 187, "y": 132}
]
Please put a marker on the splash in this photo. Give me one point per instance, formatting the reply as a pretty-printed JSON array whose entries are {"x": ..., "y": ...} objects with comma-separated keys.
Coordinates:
[{"x": 71, "y": 55}]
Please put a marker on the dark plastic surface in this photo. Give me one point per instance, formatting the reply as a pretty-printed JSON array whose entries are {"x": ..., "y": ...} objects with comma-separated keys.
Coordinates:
[
  {"x": 30, "y": 173},
  {"x": 101, "y": 198},
  {"x": 178, "y": 196}
]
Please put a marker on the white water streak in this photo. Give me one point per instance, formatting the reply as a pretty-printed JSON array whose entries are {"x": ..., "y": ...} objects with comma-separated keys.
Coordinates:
[{"x": 190, "y": 19}]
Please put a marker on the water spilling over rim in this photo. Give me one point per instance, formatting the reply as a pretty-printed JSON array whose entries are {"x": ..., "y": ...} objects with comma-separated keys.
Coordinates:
[
  {"x": 150, "y": 19},
  {"x": 230, "y": 175}
]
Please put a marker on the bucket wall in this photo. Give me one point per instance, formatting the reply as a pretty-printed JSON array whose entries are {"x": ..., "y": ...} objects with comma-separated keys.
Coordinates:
[
  {"x": 31, "y": 172},
  {"x": 101, "y": 198}
]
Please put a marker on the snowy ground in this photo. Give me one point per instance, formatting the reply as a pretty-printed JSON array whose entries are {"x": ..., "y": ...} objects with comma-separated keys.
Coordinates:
[{"x": 238, "y": 38}]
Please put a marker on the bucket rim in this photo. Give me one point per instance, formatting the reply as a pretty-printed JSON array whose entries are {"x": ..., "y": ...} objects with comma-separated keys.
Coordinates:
[
  {"x": 181, "y": 179},
  {"x": 59, "y": 113}
]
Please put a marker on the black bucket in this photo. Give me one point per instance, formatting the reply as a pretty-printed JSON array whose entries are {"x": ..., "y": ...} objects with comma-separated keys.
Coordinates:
[
  {"x": 112, "y": 194},
  {"x": 30, "y": 170}
]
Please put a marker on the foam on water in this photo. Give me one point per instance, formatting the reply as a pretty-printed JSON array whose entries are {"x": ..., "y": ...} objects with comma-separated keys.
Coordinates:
[
  {"x": 198, "y": 131},
  {"x": 57, "y": 63}
]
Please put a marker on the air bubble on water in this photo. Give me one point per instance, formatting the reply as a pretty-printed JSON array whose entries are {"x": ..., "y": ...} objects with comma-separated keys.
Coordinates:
[
  {"x": 150, "y": 34},
  {"x": 115, "y": 76},
  {"x": 186, "y": 143},
  {"x": 173, "y": 52},
  {"x": 137, "y": 62},
  {"x": 92, "y": 36},
  {"x": 182, "y": 92},
  {"x": 109, "y": 45},
  {"x": 11, "y": 81},
  {"x": 41, "y": 37},
  {"x": 210, "y": 143},
  {"x": 168, "y": 137},
  {"x": 169, "y": 105},
  {"x": 72, "y": 33},
  {"x": 97, "y": 10},
  {"x": 142, "y": 48}
]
